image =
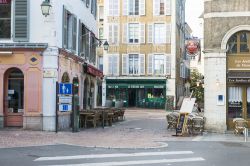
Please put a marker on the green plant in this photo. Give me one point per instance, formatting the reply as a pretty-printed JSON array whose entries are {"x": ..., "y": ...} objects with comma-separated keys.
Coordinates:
[{"x": 198, "y": 90}]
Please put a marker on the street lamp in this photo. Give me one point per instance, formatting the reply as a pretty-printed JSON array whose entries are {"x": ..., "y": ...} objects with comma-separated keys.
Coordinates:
[
  {"x": 106, "y": 45},
  {"x": 45, "y": 7}
]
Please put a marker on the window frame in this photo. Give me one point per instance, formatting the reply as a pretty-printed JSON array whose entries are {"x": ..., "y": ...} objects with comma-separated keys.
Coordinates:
[
  {"x": 7, "y": 18},
  {"x": 133, "y": 36},
  {"x": 237, "y": 43}
]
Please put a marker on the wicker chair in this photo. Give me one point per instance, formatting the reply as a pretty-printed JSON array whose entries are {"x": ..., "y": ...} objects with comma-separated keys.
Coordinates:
[
  {"x": 172, "y": 119},
  {"x": 93, "y": 119},
  {"x": 239, "y": 125}
]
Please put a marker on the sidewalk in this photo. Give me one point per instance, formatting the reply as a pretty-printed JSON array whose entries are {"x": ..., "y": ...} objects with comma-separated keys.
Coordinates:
[{"x": 142, "y": 128}]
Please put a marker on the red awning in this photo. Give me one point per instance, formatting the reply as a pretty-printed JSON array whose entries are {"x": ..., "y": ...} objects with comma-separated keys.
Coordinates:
[{"x": 94, "y": 71}]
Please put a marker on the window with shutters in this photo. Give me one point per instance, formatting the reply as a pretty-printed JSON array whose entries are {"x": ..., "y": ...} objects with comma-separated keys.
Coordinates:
[
  {"x": 84, "y": 46},
  {"x": 93, "y": 44},
  {"x": 113, "y": 8},
  {"x": 159, "y": 63},
  {"x": 113, "y": 62},
  {"x": 113, "y": 34},
  {"x": 133, "y": 33},
  {"x": 133, "y": 64},
  {"x": 161, "y": 7},
  {"x": 5, "y": 19},
  {"x": 159, "y": 33},
  {"x": 70, "y": 31},
  {"x": 133, "y": 7},
  {"x": 100, "y": 63},
  {"x": 101, "y": 13}
]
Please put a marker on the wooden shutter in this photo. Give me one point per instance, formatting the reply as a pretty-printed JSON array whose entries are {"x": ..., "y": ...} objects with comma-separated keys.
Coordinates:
[
  {"x": 21, "y": 28},
  {"x": 150, "y": 64},
  {"x": 150, "y": 33},
  {"x": 124, "y": 64},
  {"x": 156, "y": 7},
  {"x": 168, "y": 33},
  {"x": 125, "y": 7},
  {"x": 142, "y": 30},
  {"x": 110, "y": 38},
  {"x": 142, "y": 64},
  {"x": 168, "y": 65},
  {"x": 116, "y": 64},
  {"x": 110, "y": 61},
  {"x": 167, "y": 6},
  {"x": 125, "y": 33},
  {"x": 74, "y": 33},
  {"x": 142, "y": 7},
  {"x": 79, "y": 38},
  {"x": 65, "y": 29},
  {"x": 116, "y": 34}
]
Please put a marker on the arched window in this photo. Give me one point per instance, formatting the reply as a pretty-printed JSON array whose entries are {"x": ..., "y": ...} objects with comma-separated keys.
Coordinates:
[
  {"x": 65, "y": 78},
  {"x": 239, "y": 43}
]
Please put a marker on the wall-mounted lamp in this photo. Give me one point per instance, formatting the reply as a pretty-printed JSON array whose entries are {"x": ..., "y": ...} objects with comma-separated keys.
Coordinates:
[
  {"x": 106, "y": 45},
  {"x": 45, "y": 7}
]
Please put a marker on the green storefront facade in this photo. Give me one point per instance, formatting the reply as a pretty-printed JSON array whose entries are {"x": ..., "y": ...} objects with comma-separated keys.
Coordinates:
[{"x": 148, "y": 93}]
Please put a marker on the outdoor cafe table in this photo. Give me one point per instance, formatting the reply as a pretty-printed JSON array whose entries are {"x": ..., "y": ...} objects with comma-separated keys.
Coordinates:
[{"x": 83, "y": 117}]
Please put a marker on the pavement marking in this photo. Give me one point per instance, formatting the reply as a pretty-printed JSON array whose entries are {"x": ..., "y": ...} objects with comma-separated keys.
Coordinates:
[
  {"x": 91, "y": 156},
  {"x": 138, "y": 162}
]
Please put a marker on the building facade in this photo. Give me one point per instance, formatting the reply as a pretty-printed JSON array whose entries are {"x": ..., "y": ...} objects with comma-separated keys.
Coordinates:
[
  {"x": 142, "y": 67},
  {"x": 37, "y": 52},
  {"x": 226, "y": 47}
]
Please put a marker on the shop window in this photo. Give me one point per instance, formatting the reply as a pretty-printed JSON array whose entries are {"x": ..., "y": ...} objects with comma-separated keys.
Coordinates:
[
  {"x": 65, "y": 78},
  {"x": 239, "y": 43},
  {"x": 234, "y": 102}
]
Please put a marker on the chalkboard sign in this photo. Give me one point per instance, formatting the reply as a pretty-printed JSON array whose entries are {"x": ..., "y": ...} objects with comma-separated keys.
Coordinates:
[{"x": 182, "y": 123}]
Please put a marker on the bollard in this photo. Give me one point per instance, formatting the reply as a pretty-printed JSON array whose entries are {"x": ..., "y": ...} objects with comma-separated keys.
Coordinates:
[{"x": 246, "y": 133}]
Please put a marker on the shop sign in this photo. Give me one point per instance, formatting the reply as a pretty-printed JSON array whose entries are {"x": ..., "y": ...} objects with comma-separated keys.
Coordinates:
[
  {"x": 238, "y": 63},
  {"x": 49, "y": 74},
  {"x": 238, "y": 80},
  {"x": 5, "y": 1},
  {"x": 192, "y": 47}
]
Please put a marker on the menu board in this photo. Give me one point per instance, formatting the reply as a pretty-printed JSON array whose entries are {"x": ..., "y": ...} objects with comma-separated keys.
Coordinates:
[{"x": 182, "y": 123}]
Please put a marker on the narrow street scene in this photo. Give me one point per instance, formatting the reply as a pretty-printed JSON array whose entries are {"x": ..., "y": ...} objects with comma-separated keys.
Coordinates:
[{"x": 124, "y": 82}]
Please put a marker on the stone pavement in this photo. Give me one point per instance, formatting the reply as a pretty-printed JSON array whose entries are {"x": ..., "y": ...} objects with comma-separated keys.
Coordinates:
[{"x": 142, "y": 128}]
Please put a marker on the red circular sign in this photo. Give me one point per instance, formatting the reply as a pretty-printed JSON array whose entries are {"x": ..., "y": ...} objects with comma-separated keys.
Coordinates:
[{"x": 192, "y": 47}]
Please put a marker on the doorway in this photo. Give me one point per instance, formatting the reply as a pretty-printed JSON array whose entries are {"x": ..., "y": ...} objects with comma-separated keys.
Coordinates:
[
  {"x": 238, "y": 105},
  {"x": 14, "y": 98},
  {"x": 132, "y": 98}
]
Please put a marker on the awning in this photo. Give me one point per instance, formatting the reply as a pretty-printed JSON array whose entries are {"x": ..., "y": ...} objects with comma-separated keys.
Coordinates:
[
  {"x": 136, "y": 86},
  {"x": 92, "y": 70}
]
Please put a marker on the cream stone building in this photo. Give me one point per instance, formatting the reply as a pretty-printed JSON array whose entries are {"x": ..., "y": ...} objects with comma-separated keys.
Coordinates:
[
  {"x": 227, "y": 62},
  {"x": 144, "y": 65}
]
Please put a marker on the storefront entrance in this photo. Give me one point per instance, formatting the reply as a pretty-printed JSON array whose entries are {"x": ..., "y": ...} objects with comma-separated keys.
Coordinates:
[
  {"x": 13, "y": 98},
  {"x": 238, "y": 104}
]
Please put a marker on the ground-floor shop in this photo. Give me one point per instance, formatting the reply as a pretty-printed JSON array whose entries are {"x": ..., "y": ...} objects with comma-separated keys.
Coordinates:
[{"x": 144, "y": 93}]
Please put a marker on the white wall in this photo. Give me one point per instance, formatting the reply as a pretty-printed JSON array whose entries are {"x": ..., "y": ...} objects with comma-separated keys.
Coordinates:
[{"x": 49, "y": 29}]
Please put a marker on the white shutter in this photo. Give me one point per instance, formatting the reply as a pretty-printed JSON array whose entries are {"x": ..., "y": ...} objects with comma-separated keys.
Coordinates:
[
  {"x": 125, "y": 7},
  {"x": 115, "y": 34},
  {"x": 110, "y": 7},
  {"x": 124, "y": 64},
  {"x": 167, "y": 4},
  {"x": 156, "y": 7},
  {"x": 142, "y": 64},
  {"x": 110, "y": 39},
  {"x": 168, "y": 33},
  {"x": 142, "y": 27},
  {"x": 115, "y": 64},
  {"x": 116, "y": 9},
  {"x": 125, "y": 34},
  {"x": 150, "y": 64},
  {"x": 150, "y": 33},
  {"x": 142, "y": 7},
  {"x": 168, "y": 65},
  {"x": 110, "y": 59}
]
